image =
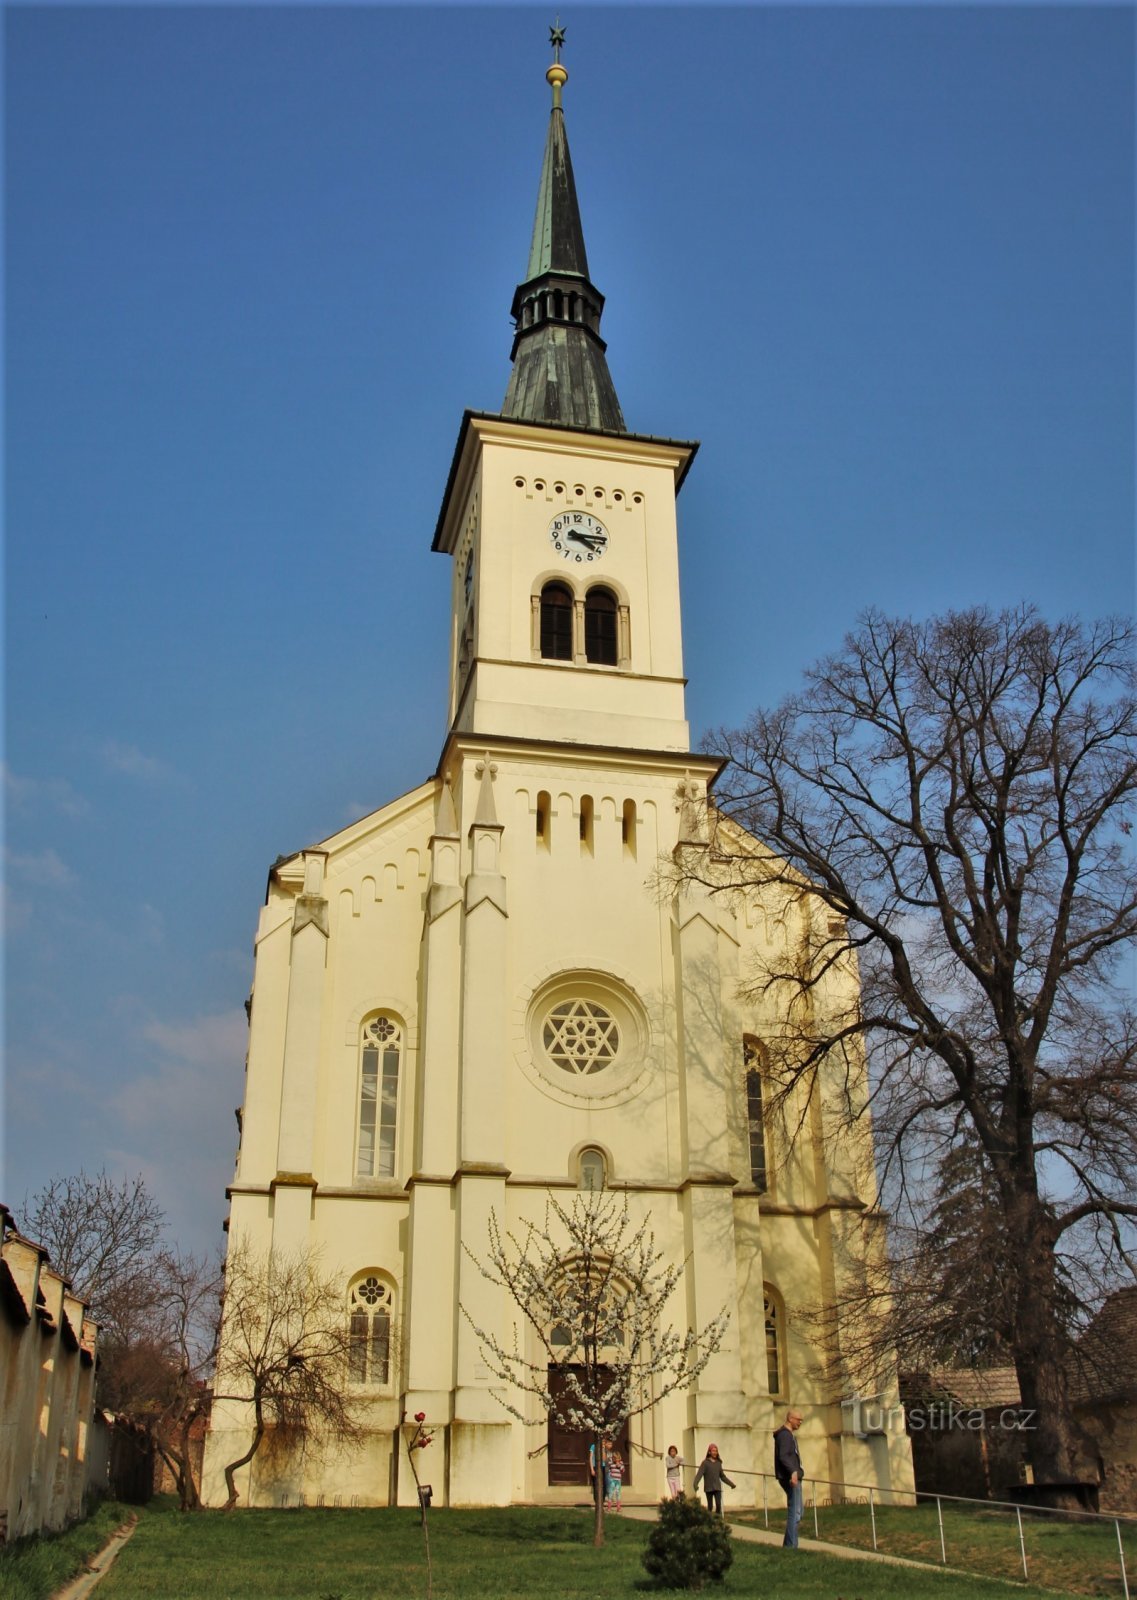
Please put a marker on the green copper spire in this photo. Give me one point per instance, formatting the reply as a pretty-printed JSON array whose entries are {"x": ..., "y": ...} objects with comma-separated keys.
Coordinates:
[{"x": 560, "y": 373}]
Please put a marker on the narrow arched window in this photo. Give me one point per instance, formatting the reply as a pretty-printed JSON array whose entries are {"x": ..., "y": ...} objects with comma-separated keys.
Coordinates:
[
  {"x": 593, "y": 1171},
  {"x": 755, "y": 1113},
  {"x": 600, "y": 627},
  {"x": 556, "y": 622},
  {"x": 772, "y": 1317},
  {"x": 587, "y": 813},
  {"x": 379, "y": 1097},
  {"x": 371, "y": 1304},
  {"x": 628, "y": 826}
]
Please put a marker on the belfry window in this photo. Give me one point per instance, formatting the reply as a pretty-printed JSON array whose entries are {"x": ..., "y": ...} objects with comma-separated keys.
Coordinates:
[
  {"x": 755, "y": 1113},
  {"x": 379, "y": 1098},
  {"x": 371, "y": 1302},
  {"x": 600, "y": 630},
  {"x": 556, "y": 622}
]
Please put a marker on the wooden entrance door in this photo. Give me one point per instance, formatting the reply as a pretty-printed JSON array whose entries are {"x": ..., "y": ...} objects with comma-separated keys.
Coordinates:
[{"x": 568, "y": 1451}]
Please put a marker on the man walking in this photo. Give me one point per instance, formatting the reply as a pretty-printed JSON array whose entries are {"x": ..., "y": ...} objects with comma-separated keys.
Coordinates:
[{"x": 787, "y": 1470}]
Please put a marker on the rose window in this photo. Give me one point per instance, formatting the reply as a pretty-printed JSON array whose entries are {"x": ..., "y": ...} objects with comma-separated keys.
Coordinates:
[{"x": 581, "y": 1037}]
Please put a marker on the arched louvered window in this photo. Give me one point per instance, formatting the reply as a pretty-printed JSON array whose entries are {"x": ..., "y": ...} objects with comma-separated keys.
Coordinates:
[
  {"x": 381, "y": 1058},
  {"x": 556, "y": 622},
  {"x": 371, "y": 1302},
  {"x": 600, "y": 631}
]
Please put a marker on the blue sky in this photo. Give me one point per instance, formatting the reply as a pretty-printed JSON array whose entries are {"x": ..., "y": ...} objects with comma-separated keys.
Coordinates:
[{"x": 258, "y": 260}]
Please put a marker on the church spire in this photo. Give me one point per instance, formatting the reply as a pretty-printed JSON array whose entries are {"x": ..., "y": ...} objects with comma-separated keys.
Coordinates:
[{"x": 560, "y": 373}]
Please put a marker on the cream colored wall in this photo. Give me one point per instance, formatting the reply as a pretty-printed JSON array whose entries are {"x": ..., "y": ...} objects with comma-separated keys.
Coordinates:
[{"x": 47, "y": 1354}]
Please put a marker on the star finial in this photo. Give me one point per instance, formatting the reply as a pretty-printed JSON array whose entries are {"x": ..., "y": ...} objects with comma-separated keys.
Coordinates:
[{"x": 556, "y": 39}]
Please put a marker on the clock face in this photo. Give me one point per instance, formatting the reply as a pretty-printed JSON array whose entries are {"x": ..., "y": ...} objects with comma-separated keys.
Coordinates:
[{"x": 578, "y": 536}]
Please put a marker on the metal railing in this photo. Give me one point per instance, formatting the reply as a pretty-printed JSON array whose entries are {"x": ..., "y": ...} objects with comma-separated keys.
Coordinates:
[{"x": 876, "y": 1497}]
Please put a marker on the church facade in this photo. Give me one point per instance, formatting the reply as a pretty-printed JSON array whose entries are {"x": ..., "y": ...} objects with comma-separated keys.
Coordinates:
[{"x": 484, "y": 993}]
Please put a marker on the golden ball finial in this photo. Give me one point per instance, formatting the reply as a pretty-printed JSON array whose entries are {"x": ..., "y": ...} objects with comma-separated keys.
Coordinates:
[{"x": 556, "y": 75}]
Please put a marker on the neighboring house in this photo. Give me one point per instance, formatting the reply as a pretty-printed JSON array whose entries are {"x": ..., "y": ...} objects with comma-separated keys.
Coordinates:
[
  {"x": 964, "y": 1427},
  {"x": 47, "y": 1373},
  {"x": 1103, "y": 1386},
  {"x": 478, "y": 997},
  {"x": 966, "y": 1424}
]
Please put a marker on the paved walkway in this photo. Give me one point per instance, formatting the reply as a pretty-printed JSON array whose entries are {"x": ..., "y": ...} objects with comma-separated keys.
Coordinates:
[
  {"x": 750, "y": 1535},
  {"x": 98, "y": 1566}
]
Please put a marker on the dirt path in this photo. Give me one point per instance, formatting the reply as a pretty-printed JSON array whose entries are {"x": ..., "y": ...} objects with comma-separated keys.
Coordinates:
[{"x": 98, "y": 1566}]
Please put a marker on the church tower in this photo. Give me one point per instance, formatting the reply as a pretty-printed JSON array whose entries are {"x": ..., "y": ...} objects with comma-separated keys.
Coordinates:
[
  {"x": 480, "y": 996},
  {"x": 561, "y": 523}
]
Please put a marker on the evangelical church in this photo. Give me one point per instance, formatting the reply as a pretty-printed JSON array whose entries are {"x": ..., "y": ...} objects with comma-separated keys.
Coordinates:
[{"x": 480, "y": 995}]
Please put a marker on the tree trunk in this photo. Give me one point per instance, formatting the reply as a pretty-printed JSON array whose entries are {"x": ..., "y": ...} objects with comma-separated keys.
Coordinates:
[
  {"x": 1040, "y": 1347},
  {"x": 598, "y": 1491},
  {"x": 231, "y": 1469}
]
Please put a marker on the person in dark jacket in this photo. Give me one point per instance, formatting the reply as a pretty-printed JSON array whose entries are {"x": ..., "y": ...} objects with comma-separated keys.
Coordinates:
[
  {"x": 787, "y": 1470},
  {"x": 712, "y": 1475}
]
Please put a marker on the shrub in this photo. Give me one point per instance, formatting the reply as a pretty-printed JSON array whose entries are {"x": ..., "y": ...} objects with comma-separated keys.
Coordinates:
[{"x": 687, "y": 1546}]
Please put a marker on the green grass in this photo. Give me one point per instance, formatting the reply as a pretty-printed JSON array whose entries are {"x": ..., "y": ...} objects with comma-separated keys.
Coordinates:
[
  {"x": 478, "y": 1555},
  {"x": 1062, "y": 1553},
  {"x": 33, "y": 1569}
]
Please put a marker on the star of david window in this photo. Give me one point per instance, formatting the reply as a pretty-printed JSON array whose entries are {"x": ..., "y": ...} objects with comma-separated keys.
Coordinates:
[{"x": 581, "y": 1037}]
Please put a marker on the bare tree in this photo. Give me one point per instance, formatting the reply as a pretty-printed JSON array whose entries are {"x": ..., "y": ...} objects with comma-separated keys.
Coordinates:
[
  {"x": 102, "y": 1237},
  {"x": 191, "y": 1309},
  {"x": 157, "y": 1308},
  {"x": 950, "y": 802},
  {"x": 595, "y": 1289},
  {"x": 285, "y": 1349}
]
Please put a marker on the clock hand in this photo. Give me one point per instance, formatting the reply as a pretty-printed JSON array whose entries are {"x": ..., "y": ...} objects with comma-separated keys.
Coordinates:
[{"x": 589, "y": 540}]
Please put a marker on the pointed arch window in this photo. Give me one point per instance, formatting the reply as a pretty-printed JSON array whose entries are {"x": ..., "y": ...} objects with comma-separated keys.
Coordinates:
[
  {"x": 371, "y": 1306},
  {"x": 381, "y": 1060},
  {"x": 755, "y": 1113},
  {"x": 600, "y": 627},
  {"x": 773, "y": 1319},
  {"x": 556, "y": 622}
]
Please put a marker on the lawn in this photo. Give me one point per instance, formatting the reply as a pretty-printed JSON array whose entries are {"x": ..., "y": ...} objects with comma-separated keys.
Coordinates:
[
  {"x": 1062, "y": 1553},
  {"x": 478, "y": 1555},
  {"x": 33, "y": 1569}
]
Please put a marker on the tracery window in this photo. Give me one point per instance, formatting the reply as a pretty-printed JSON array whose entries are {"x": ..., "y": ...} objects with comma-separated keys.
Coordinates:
[
  {"x": 371, "y": 1302},
  {"x": 600, "y": 627},
  {"x": 581, "y": 1036},
  {"x": 379, "y": 1097},
  {"x": 755, "y": 1113},
  {"x": 556, "y": 622},
  {"x": 772, "y": 1317}
]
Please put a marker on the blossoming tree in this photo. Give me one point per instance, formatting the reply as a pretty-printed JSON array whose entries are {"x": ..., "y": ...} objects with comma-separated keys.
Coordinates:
[{"x": 595, "y": 1288}]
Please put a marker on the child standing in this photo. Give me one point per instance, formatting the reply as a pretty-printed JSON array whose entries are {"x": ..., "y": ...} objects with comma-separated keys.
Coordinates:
[
  {"x": 615, "y": 1479},
  {"x": 675, "y": 1464}
]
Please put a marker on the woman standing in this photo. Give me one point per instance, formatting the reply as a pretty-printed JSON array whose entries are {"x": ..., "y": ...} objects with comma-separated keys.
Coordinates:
[{"x": 712, "y": 1475}]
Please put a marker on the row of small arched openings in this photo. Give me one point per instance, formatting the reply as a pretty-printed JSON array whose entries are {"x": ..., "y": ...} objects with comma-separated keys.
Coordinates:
[
  {"x": 557, "y": 305},
  {"x": 558, "y": 489},
  {"x": 585, "y": 822}
]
